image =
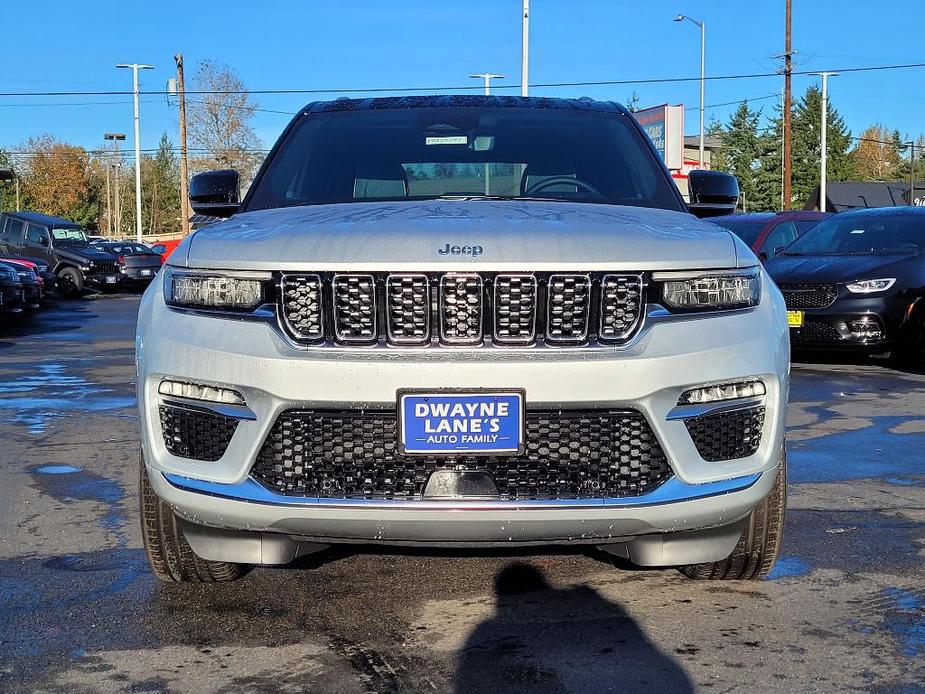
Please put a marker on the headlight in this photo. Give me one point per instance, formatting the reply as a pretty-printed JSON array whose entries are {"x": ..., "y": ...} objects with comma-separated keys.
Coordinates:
[
  {"x": 730, "y": 290},
  {"x": 215, "y": 290},
  {"x": 871, "y": 286}
]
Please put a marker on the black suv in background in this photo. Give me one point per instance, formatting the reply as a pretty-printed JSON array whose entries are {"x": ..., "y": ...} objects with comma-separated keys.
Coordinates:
[{"x": 63, "y": 245}]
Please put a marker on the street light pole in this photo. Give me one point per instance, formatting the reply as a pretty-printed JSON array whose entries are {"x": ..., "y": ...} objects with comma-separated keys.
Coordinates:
[
  {"x": 823, "y": 164},
  {"x": 525, "y": 49},
  {"x": 135, "y": 67},
  {"x": 116, "y": 138},
  {"x": 703, "y": 53}
]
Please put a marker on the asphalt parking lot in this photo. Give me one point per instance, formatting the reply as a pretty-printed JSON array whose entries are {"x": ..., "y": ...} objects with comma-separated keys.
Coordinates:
[{"x": 79, "y": 611}]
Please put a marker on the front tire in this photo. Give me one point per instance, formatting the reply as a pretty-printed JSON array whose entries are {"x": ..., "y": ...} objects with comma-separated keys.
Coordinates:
[
  {"x": 171, "y": 558},
  {"x": 758, "y": 547},
  {"x": 70, "y": 283}
]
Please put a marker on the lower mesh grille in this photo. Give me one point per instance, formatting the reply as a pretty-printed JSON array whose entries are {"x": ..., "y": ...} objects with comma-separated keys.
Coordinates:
[
  {"x": 727, "y": 435},
  {"x": 191, "y": 433},
  {"x": 815, "y": 332},
  {"x": 569, "y": 455}
]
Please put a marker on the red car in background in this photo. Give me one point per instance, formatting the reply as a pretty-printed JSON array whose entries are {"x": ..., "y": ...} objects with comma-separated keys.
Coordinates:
[
  {"x": 165, "y": 248},
  {"x": 768, "y": 232}
]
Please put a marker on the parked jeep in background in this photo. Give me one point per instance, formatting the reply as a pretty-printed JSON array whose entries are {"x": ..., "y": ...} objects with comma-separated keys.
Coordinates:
[
  {"x": 471, "y": 322},
  {"x": 63, "y": 245}
]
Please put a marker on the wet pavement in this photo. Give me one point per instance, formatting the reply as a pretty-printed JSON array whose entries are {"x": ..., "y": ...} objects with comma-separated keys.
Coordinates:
[{"x": 79, "y": 612}]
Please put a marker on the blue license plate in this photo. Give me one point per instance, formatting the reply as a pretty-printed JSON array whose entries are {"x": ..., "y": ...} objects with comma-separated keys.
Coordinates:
[{"x": 460, "y": 423}]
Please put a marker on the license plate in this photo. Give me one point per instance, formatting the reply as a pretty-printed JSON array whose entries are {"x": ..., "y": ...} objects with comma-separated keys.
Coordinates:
[
  {"x": 145, "y": 273},
  {"x": 111, "y": 279},
  {"x": 475, "y": 422},
  {"x": 795, "y": 319}
]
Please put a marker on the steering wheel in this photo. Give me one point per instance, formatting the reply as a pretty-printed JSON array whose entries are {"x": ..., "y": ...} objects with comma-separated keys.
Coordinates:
[{"x": 562, "y": 180}]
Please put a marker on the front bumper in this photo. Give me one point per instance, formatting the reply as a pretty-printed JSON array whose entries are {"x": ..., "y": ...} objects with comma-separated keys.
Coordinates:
[
  {"x": 853, "y": 322},
  {"x": 667, "y": 357}
]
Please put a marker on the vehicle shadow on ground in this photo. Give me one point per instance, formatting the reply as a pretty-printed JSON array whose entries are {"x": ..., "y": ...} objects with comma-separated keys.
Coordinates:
[
  {"x": 810, "y": 358},
  {"x": 544, "y": 639}
]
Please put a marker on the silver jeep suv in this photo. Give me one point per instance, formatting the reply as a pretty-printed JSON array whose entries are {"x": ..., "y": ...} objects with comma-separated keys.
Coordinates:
[{"x": 462, "y": 322}]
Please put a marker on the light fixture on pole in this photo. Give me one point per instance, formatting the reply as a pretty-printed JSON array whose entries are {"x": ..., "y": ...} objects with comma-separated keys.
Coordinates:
[
  {"x": 703, "y": 51},
  {"x": 525, "y": 48},
  {"x": 823, "y": 145},
  {"x": 116, "y": 138},
  {"x": 488, "y": 77},
  {"x": 135, "y": 67}
]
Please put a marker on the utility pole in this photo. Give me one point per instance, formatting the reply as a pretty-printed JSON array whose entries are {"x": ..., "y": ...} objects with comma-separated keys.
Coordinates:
[
  {"x": 116, "y": 138},
  {"x": 108, "y": 205},
  {"x": 184, "y": 166},
  {"x": 911, "y": 173},
  {"x": 135, "y": 67},
  {"x": 788, "y": 70},
  {"x": 823, "y": 199},
  {"x": 525, "y": 49}
]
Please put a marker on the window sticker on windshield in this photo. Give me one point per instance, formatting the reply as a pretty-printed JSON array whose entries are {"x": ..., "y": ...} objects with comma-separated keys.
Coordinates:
[{"x": 447, "y": 140}]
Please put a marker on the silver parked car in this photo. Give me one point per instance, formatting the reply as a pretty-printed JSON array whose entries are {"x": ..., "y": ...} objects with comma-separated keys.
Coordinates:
[{"x": 462, "y": 322}]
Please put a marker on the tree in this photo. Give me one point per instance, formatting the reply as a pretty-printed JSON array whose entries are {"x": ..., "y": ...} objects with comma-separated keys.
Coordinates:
[
  {"x": 219, "y": 120},
  {"x": 807, "y": 149},
  {"x": 877, "y": 154},
  {"x": 58, "y": 180},
  {"x": 769, "y": 176},
  {"x": 740, "y": 150}
]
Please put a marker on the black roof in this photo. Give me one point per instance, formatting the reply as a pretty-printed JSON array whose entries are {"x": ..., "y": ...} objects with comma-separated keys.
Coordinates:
[
  {"x": 45, "y": 219},
  {"x": 904, "y": 211},
  {"x": 463, "y": 101},
  {"x": 850, "y": 195}
]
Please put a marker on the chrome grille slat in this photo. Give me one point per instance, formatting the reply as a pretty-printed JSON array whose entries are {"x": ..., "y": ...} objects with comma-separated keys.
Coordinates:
[
  {"x": 355, "y": 308},
  {"x": 568, "y": 302},
  {"x": 621, "y": 305},
  {"x": 302, "y": 306},
  {"x": 428, "y": 309},
  {"x": 408, "y": 308},
  {"x": 515, "y": 309},
  {"x": 461, "y": 302}
]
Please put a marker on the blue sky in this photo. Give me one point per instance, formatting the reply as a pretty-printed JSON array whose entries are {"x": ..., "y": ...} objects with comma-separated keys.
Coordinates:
[{"x": 316, "y": 44}]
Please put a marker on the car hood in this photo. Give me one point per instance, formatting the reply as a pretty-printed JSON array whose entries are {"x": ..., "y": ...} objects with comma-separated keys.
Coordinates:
[
  {"x": 422, "y": 234},
  {"x": 834, "y": 268},
  {"x": 80, "y": 252}
]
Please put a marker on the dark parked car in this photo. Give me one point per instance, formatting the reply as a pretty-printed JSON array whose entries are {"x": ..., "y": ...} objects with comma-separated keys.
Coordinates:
[
  {"x": 11, "y": 291},
  {"x": 857, "y": 280},
  {"x": 64, "y": 247},
  {"x": 137, "y": 263},
  {"x": 767, "y": 233},
  {"x": 31, "y": 282}
]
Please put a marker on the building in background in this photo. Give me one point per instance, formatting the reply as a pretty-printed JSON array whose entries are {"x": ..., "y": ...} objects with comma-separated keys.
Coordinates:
[{"x": 664, "y": 125}]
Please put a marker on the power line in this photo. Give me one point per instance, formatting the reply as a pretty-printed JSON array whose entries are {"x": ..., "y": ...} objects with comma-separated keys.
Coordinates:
[{"x": 469, "y": 87}]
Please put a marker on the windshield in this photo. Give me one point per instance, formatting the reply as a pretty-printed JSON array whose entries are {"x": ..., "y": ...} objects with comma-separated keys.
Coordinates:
[
  {"x": 862, "y": 234},
  {"x": 424, "y": 153},
  {"x": 128, "y": 249},
  {"x": 746, "y": 229},
  {"x": 70, "y": 234}
]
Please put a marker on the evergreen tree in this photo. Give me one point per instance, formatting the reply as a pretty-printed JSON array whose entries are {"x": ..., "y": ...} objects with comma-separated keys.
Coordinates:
[
  {"x": 807, "y": 151},
  {"x": 740, "y": 150},
  {"x": 768, "y": 177}
]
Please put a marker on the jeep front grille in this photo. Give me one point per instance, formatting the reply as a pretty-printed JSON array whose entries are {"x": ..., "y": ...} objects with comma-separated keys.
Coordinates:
[
  {"x": 462, "y": 309},
  {"x": 569, "y": 454}
]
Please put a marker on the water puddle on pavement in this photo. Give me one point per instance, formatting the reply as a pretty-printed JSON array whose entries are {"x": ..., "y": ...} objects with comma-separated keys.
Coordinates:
[
  {"x": 67, "y": 483},
  {"x": 36, "y": 399}
]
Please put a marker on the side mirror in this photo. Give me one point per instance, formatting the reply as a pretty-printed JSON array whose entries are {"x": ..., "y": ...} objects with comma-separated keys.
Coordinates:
[
  {"x": 712, "y": 193},
  {"x": 762, "y": 256},
  {"x": 44, "y": 241},
  {"x": 215, "y": 193},
  {"x": 779, "y": 250}
]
